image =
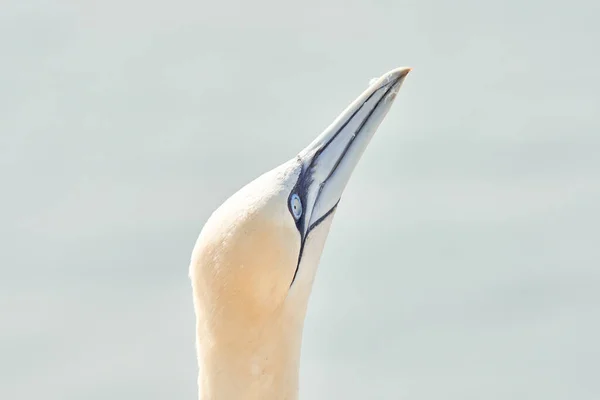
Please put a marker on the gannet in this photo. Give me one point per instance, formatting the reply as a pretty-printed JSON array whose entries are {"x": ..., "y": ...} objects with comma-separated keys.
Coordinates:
[{"x": 254, "y": 262}]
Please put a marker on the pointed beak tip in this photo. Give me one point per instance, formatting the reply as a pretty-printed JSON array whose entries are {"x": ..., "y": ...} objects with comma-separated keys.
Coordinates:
[
  {"x": 401, "y": 72},
  {"x": 396, "y": 74}
]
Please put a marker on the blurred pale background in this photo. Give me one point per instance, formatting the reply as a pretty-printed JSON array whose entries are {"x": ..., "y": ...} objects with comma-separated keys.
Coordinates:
[{"x": 463, "y": 262}]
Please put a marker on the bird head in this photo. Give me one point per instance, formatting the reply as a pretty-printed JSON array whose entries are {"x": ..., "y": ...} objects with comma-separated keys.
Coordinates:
[{"x": 257, "y": 255}]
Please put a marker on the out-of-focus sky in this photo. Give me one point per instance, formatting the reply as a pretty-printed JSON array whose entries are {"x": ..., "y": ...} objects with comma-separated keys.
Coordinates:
[{"x": 463, "y": 262}]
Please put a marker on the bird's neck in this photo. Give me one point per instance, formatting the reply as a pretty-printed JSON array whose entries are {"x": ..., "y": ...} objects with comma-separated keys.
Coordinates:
[{"x": 260, "y": 361}]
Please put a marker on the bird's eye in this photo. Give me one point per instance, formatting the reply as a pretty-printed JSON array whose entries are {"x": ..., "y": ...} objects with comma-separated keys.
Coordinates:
[{"x": 296, "y": 206}]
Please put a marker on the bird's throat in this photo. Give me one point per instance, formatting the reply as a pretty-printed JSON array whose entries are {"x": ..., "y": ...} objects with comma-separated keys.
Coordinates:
[{"x": 256, "y": 364}]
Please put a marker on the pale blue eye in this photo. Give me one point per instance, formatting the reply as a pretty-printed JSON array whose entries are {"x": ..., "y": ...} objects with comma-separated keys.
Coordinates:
[{"x": 296, "y": 206}]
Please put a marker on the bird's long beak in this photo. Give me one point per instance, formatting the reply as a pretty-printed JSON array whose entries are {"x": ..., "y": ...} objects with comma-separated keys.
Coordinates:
[{"x": 332, "y": 156}]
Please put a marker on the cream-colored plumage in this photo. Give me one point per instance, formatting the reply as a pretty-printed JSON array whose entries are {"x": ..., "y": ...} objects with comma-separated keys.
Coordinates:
[{"x": 255, "y": 259}]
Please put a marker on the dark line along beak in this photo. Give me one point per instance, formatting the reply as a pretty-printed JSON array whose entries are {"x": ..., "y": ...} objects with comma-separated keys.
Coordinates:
[{"x": 332, "y": 156}]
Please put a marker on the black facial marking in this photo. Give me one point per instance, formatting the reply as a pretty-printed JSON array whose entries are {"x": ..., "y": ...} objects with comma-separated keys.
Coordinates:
[
  {"x": 305, "y": 178},
  {"x": 300, "y": 189}
]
